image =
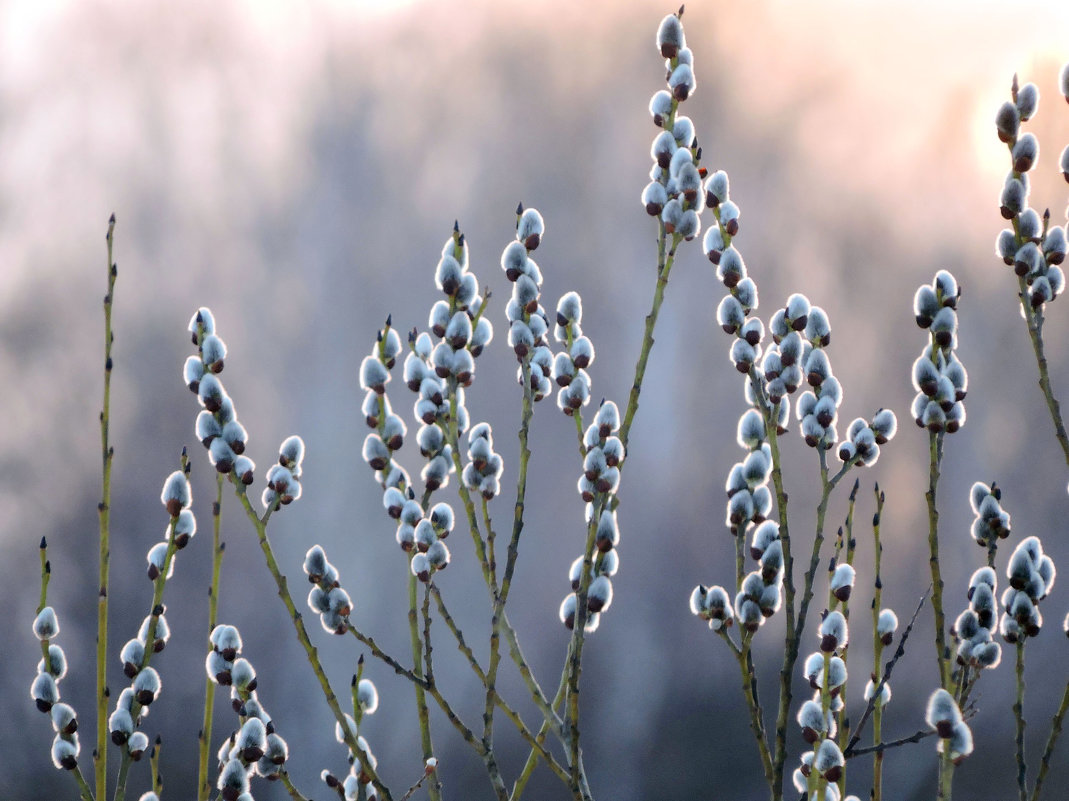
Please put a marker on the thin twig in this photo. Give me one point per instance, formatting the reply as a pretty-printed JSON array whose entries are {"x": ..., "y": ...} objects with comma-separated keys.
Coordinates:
[
  {"x": 877, "y": 646},
  {"x": 855, "y": 736},
  {"x": 744, "y": 657},
  {"x": 100, "y": 754},
  {"x": 295, "y": 794},
  {"x": 1018, "y": 716},
  {"x": 204, "y": 785},
  {"x": 302, "y": 637},
  {"x": 935, "y": 457},
  {"x": 879, "y": 748},
  {"x": 1052, "y": 740}
]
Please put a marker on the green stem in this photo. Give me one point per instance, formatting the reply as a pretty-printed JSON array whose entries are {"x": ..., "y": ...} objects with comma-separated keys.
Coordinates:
[
  {"x": 154, "y": 767},
  {"x": 510, "y": 713},
  {"x": 791, "y": 639},
  {"x": 100, "y": 754},
  {"x": 744, "y": 657},
  {"x": 417, "y": 667},
  {"x": 1034, "y": 321},
  {"x": 427, "y": 648},
  {"x": 501, "y": 595},
  {"x": 378, "y": 653},
  {"x": 665, "y": 259},
  {"x": 532, "y": 758},
  {"x": 552, "y": 719},
  {"x": 450, "y": 624},
  {"x": 946, "y": 773},
  {"x": 302, "y": 636},
  {"x": 574, "y": 662},
  {"x": 150, "y": 638},
  {"x": 85, "y": 792},
  {"x": 877, "y": 647},
  {"x": 46, "y": 575},
  {"x": 1018, "y": 716},
  {"x": 526, "y": 414},
  {"x": 1052, "y": 740},
  {"x": 204, "y": 783},
  {"x": 294, "y": 793},
  {"x": 935, "y": 456}
]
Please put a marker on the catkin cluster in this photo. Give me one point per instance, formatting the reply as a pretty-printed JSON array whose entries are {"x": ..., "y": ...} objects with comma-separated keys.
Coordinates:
[
  {"x": 219, "y": 429},
  {"x": 598, "y": 485},
  {"x": 973, "y": 628},
  {"x": 944, "y": 717},
  {"x": 1031, "y": 576},
  {"x": 1031, "y": 246},
  {"x": 327, "y": 597},
  {"x": 938, "y": 375},
  {"x": 675, "y": 189},
  {"x": 44, "y": 691},
  {"x": 255, "y": 748},
  {"x": 154, "y": 632}
]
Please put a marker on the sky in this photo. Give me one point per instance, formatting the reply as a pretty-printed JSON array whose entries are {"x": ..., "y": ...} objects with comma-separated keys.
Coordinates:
[{"x": 297, "y": 167}]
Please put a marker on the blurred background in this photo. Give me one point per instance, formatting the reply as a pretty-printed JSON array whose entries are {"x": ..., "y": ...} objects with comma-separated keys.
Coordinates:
[{"x": 297, "y": 167}]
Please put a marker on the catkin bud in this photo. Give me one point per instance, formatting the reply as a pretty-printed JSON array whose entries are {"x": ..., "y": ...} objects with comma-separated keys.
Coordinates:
[
  {"x": 1012, "y": 202},
  {"x": 233, "y": 780},
  {"x": 660, "y": 107},
  {"x": 1007, "y": 121},
  {"x": 175, "y": 496},
  {"x": 670, "y": 38},
  {"x": 1025, "y": 152},
  {"x": 599, "y": 594},
  {"x": 252, "y": 740},
  {"x": 44, "y": 692},
  {"x": 886, "y": 624},
  {"x": 55, "y": 664},
  {"x": 829, "y": 761},
  {"x": 812, "y": 721},
  {"x": 65, "y": 750},
  {"x": 146, "y": 686},
  {"x": 46, "y": 624},
  {"x": 1027, "y": 101},
  {"x": 833, "y": 632},
  {"x": 942, "y": 713},
  {"x": 842, "y": 582},
  {"x": 243, "y": 675}
]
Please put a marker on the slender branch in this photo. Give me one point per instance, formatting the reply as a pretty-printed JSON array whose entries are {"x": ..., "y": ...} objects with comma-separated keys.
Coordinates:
[
  {"x": 855, "y": 736},
  {"x": 1052, "y": 740},
  {"x": 417, "y": 667},
  {"x": 665, "y": 259},
  {"x": 378, "y": 653},
  {"x": 450, "y": 624},
  {"x": 425, "y": 611},
  {"x": 302, "y": 637},
  {"x": 85, "y": 792},
  {"x": 552, "y": 719},
  {"x": 879, "y": 748},
  {"x": 1018, "y": 716},
  {"x": 935, "y": 456},
  {"x": 150, "y": 638},
  {"x": 154, "y": 766},
  {"x": 1034, "y": 322},
  {"x": 295, "y": 794},
  {"x": 744, "y": 656},
  {"x": 411, "y": 790},
  {"x": 526, "y": 414},
  {"x": 204, "y": 784},
  {"x": 573, "y": 665},
  {"x": 532, "y": 758},
  {"x": 100, "y": 754},
  {"x": 877, "y": 647}
]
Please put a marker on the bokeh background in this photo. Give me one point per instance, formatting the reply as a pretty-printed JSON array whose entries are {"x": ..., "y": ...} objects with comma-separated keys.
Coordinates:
[{"x": 297, "y": 167}]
